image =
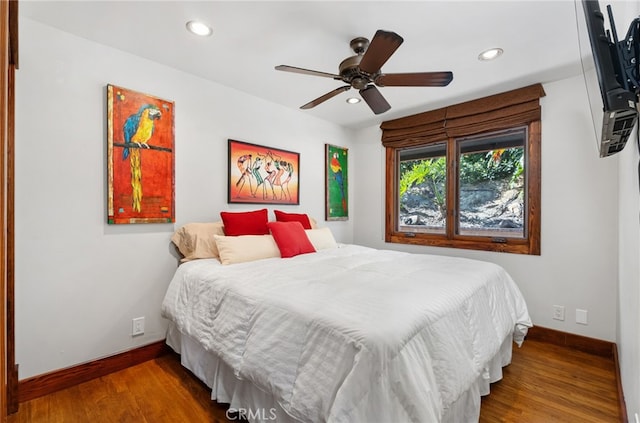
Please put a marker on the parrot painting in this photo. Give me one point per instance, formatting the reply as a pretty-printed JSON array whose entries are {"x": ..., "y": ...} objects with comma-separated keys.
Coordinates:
[
  {"x": 138, "y": 129},
  {"x": 336, "y": 169}
]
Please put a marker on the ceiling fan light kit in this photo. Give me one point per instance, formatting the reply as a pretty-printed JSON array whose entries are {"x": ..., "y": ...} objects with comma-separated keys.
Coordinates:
[{"x": 363, "y": 72}]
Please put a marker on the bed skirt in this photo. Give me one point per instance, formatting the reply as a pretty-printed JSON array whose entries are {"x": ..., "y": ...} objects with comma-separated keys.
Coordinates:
[{"x": 257, "y": 406}]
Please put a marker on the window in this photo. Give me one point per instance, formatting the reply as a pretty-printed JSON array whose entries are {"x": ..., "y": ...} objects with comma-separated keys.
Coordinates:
[
  {"x": 422, "y": 188},
  {"x": 491, "y": 197},
  {"x": 467, "y": 176}
]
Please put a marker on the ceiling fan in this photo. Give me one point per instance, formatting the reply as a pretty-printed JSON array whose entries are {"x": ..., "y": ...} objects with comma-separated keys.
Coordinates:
[{"x": 363, "y": 72}]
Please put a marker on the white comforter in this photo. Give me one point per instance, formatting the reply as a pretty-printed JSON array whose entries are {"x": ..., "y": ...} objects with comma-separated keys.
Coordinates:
[{"x": 352, "y": 334}]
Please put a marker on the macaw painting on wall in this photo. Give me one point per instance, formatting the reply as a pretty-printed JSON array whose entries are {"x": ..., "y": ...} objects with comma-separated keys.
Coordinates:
[
  {"x": 140, "y": 137},
  {"x": 336, "y": 183},
  {"x": 262, "y": 175}
]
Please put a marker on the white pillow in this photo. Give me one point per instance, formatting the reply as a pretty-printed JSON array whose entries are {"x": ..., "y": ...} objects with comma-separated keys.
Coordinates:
[
  {"x": 195, "y": 240},
  {"x": 321, "y": 238},
  {"x": 243, "y": 248}
]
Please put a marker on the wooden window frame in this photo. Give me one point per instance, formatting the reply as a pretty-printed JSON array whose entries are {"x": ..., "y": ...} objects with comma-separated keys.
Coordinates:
[{"x": 501, "y": 112}]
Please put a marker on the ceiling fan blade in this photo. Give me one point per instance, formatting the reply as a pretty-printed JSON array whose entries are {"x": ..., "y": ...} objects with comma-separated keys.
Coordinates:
[
  {"x": 419, "y": 79},
  {"x": 327, "y": 96},
  {"x": 374, "y": 99},
  {"x": 307, "y": 71},
  {"x": 383, "y": 45}
]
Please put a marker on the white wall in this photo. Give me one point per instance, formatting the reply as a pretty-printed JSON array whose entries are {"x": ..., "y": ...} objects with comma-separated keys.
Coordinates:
[
  {"x": 578, "y": 264},
  {"x": 629, "y": 288},
  {"x": 629, "y": 247},
  {"x": 79, "y": 281}
]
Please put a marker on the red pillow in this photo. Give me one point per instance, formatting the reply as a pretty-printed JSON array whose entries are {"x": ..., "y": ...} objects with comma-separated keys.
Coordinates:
[
  {"x": 245, "y": 223},
  {"x": 290, "y": 238},
  {"x": 293, "y": 217}
]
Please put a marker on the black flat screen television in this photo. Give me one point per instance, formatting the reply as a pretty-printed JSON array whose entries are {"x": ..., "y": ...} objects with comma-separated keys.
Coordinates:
[{"x": 610, "y": 69}]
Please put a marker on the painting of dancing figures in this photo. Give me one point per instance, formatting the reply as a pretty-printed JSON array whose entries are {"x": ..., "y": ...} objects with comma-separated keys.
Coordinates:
[{"x": 262, "y": 175}]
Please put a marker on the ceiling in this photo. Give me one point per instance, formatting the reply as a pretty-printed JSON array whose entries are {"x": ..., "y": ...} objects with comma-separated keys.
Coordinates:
[{"x": 539, "y": 39}]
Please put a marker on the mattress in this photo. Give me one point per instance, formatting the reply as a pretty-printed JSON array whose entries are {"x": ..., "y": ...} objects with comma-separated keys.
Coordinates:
[{"x": 352, "y": 334}]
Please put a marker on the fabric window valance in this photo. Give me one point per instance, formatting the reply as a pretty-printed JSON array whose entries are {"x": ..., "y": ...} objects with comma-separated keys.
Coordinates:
[{"x": 500, "y": 111}]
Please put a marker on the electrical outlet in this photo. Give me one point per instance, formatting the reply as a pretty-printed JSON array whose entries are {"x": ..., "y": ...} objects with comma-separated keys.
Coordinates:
[
  {"x": 581, "y": 317},
  {"x": 558, "y": 312},
  {"x": 637, "y": 418},
  {"x": 138, "y": 326}
]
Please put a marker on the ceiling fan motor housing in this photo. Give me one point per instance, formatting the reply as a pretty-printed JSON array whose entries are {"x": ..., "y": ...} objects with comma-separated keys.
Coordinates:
[
  {"x": 351, "y": 74},
  {"x": 350, "y": 67}
]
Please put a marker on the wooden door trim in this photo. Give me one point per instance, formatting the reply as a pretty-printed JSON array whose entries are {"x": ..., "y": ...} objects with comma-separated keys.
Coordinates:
[
  {"x": 4, "y": 135},
  {"x": 12, "y": 367},
  {"x": 9, "y": 64}
]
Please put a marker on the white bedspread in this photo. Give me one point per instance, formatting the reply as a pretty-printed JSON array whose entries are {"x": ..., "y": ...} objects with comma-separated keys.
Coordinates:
[{"x": 352, "y": 334}]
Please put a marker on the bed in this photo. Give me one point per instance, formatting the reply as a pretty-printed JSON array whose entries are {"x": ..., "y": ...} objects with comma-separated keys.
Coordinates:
[{"x": 346, "y": 333}]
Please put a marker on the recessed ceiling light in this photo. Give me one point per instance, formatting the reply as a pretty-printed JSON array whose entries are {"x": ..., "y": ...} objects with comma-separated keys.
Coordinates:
[
  {"x": 199, "y": 28},
  {"x": 490, "y": 54},
  {"x": 353, "y": 100}
]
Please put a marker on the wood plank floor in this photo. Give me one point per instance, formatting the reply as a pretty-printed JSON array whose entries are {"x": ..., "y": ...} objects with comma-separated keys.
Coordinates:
[{"x": 545, "y": 383}]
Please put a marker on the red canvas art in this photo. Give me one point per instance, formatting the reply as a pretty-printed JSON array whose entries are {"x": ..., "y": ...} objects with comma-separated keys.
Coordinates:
[{"x": 140, "y": 157}]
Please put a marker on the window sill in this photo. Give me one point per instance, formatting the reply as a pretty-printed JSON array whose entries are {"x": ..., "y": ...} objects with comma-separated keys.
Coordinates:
[{"x": 515, "y": 246}]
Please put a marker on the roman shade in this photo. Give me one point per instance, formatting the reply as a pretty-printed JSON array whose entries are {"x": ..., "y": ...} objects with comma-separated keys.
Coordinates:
[{"x": 500, "y": 111}]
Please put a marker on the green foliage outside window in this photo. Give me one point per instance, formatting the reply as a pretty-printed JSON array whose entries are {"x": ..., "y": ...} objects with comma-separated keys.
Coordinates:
[
  {"x": 416, "y": 172},
  {"x": 477, "y": 167},
  {"x": 492, "y": 165},
  {"x": 433, "y": 172}
]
